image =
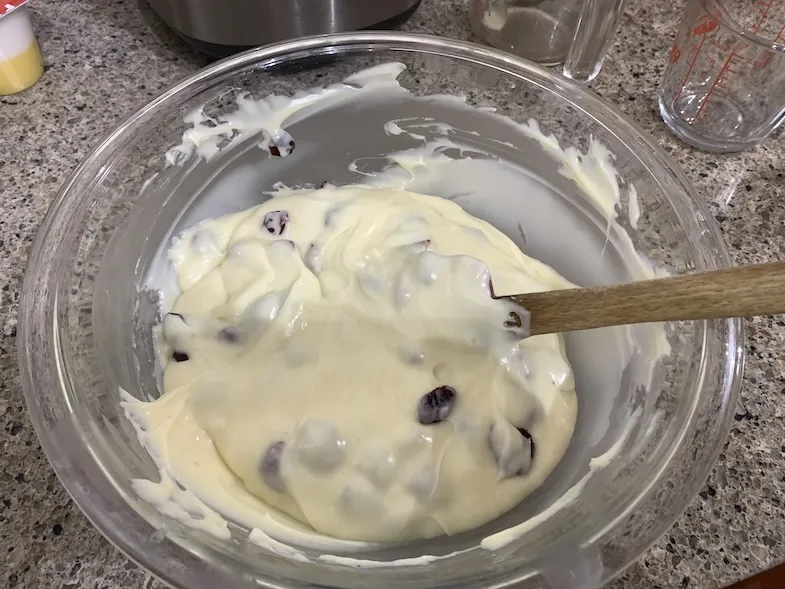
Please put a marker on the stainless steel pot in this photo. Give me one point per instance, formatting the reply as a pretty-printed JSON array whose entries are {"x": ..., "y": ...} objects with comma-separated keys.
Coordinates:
[{"x": 220, "y": 27}]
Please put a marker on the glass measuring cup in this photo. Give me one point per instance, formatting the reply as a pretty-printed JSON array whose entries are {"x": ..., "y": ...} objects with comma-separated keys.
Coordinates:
[
  {"x": 724, "y": 86},
  {"x": 576, "y": 33}
]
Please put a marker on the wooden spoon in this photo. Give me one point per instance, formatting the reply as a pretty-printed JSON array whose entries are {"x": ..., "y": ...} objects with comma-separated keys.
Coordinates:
[
  {"x": 770, "y": 579},
  {"x": 734, "y": 292}
]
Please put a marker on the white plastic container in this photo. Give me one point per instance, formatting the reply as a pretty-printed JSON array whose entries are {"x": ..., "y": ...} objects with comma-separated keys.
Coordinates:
[{"x": 21, "y": 64}]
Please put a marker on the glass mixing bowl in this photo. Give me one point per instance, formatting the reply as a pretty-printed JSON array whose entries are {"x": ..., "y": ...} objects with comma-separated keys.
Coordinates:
[{"x": 86, "y": 317}]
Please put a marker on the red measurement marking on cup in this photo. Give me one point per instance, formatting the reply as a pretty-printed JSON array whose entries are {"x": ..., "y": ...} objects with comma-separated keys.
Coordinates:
[
  {"x": 707, "y": 26},
  {"x": 704, "y": 25},
  {"x": 763, "y": 7},
  {"x": 767, "y": 58},
  {"x": 719, "y": 83},
  {"x": 692, "y": 56},
  {"x": 736, "y": 60}
]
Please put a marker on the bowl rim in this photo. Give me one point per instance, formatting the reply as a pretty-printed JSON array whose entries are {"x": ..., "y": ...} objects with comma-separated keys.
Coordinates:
[{"x": 571, "y": 92}]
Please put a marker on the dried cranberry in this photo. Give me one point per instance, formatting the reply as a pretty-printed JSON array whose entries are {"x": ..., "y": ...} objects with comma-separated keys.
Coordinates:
[
  {"x": 276, "y": 222},
  {"x": 229, "y": 334},
  {"x": 270, "y": 466},
  {"x": 281, "y": 147},
  {"x": 525, "y": 433},
  {"x": 513, "y": 449},
  {"x": 437, "y": 405}
]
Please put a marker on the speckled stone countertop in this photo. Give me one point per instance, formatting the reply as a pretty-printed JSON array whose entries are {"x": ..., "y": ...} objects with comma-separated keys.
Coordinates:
[{"x": 106, "y": 58}]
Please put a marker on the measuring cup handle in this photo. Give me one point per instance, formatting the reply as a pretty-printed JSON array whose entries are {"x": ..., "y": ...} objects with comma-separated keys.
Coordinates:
[{"x": 593, "y": 36}]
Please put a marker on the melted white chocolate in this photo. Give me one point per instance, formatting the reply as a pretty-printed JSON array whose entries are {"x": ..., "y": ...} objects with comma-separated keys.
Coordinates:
[{"x": 308, "y": 331}]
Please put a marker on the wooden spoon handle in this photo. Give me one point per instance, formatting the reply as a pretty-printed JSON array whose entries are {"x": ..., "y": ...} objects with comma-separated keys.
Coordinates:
[
  {"x": 770, "y": 579},
  {"x": 734, "y": 292}
]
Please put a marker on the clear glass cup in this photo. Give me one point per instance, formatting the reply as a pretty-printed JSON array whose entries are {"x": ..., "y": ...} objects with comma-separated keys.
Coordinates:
[
  {"x": 576, "y": 33},
  {"x": 85, "y": 318},
  {"x": 724, "y": 87}
]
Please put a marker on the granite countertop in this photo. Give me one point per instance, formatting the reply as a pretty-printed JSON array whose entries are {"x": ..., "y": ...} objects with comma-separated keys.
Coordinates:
[{"x": 106, "y": 58}]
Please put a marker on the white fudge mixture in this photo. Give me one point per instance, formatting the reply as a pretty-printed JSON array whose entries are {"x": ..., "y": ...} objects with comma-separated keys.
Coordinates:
[{"x": 341, "y": 350}]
